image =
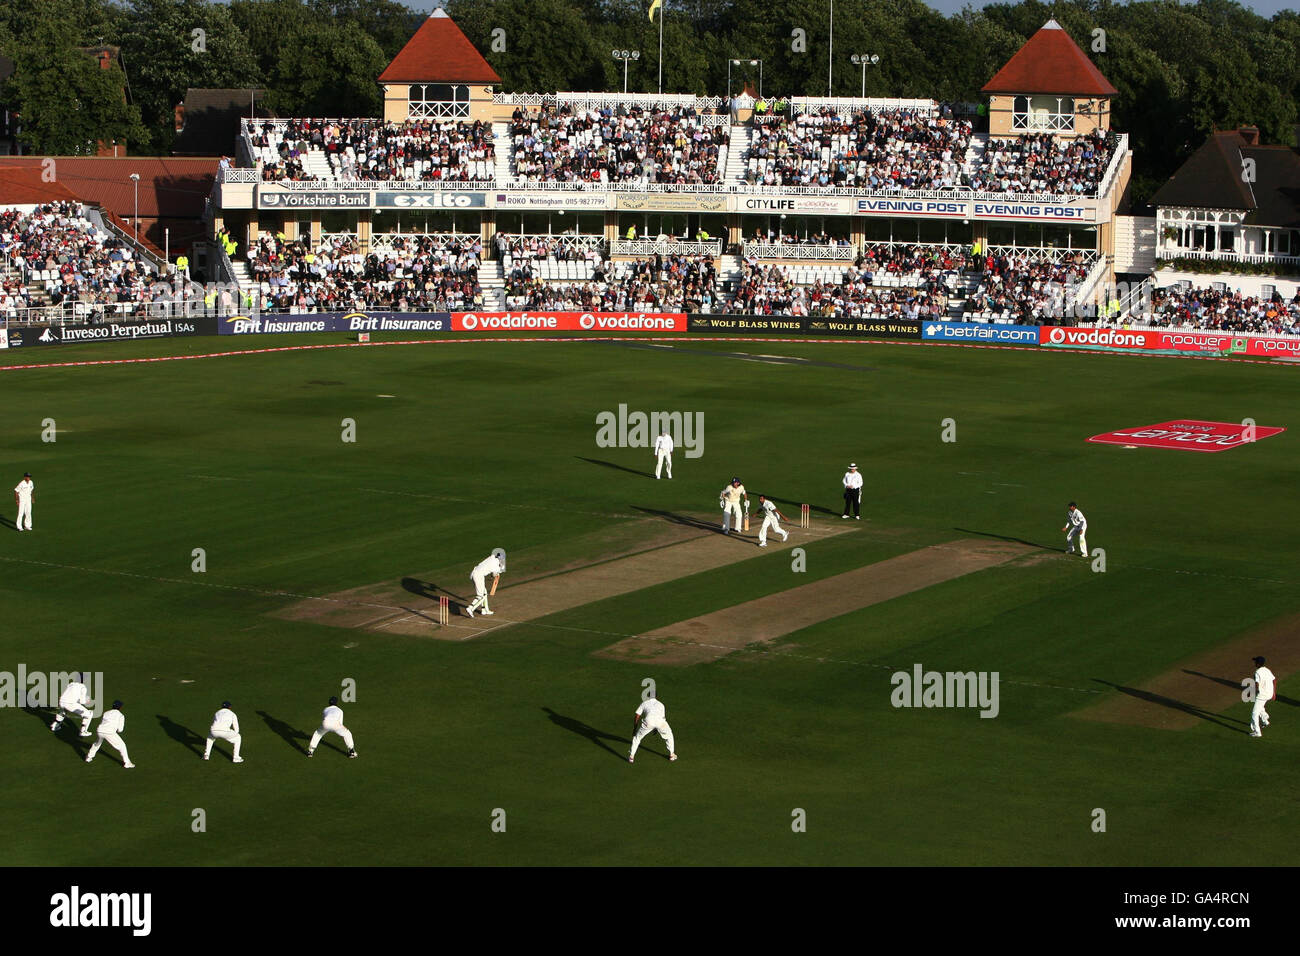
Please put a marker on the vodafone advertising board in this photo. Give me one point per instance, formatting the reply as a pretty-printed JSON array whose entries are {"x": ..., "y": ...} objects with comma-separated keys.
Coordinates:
[
  {"x": 528, "y": 321},
  {"x": 1179, "y": 340}
]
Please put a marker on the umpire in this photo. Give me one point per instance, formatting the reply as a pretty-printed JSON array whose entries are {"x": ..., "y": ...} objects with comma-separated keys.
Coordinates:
[{"x": 852, "y": 492}]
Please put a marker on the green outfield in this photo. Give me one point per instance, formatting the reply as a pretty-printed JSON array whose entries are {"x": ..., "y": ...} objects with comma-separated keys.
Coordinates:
[{"x": 461, "y": 448}]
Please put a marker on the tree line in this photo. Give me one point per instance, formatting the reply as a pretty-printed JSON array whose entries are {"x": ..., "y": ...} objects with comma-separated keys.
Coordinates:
[{"x": 1181, "y": 69}]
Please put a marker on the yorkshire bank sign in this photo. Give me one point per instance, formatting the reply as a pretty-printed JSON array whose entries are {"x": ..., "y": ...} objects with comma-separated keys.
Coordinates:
[
  {"x": 568, "y": 321},
  {"x": 1166, "y": 340}
]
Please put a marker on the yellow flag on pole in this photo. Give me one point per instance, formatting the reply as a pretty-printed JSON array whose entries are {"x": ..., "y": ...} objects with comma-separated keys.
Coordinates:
[{"x": 655, "y": 5}]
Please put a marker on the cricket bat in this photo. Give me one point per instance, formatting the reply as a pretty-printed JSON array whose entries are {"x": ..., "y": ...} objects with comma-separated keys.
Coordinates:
[{"x": 494, "y": 586}]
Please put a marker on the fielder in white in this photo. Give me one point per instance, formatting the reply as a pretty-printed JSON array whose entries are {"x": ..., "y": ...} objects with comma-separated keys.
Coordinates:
[
  {"x": 649, "y": 718},
  {"x": 664, "y": 453},
  {"x": 225, "y": 726},
  {"x": 1076, "y": 526},
  {"x": 770, "y": 516},
  {"x": 1265, "y": 690},
  {"x": 730, "y": 498},
  {"x": 494, "y": 566},
  {"x": 331, "y": 722},
  {"x": 24, "y": 495},
  {"x": 75, "y": 699},
  {"x": 109, "y": 732}
]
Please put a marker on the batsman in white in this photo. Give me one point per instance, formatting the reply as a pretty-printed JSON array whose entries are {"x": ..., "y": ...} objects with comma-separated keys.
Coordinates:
[
  {"x": 649, "y": 718},
  {"x": 770, "y": 516},
  {"x": 75, "y": 699},
  {"x": 109, "y": 732},
  {"x": 225, "y": 725},
  {"x": 1265, "y": 690},
  {"x": 664, "y": 453},
  {"x": 495, "y": 565},
  {"x": 730, "y": 498},
  {"x": 24, "y": 495},
  {"x": 331, "y": 722},
  {"x": 1076, "y": 526}
]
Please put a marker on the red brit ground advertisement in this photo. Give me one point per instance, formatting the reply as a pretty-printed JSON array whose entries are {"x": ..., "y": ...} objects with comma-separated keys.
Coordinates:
[
  {"x": 1189, "y": 435},
  {"x": 529, "y": 321}
]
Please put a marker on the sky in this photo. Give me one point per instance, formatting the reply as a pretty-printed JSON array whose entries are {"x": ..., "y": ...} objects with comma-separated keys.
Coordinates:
[{"x": 1264, "y": 8}]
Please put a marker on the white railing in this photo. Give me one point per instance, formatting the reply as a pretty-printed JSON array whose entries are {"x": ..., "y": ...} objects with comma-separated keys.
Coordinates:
[
  {"x": 1087, "y": 289},
  {"x": 437, "y": 110},
  {"x": 239, "y": 175},
  {"x": 390, "y": 241},
  {"x": 666, "y": 247},
  {"x": 1252, "y": 258},
  {"x": 578, "y": 244},
  {"x": 1040, "y": 122},
  {"x": 791, "y": 250},
  {"x": 331, "y": 236},
  {"x": 856, "y": 104},
  {"x": 1116, "y": 163},
  {"x": 1054, "y": 254},
  {"x": 701, "y": 104}
]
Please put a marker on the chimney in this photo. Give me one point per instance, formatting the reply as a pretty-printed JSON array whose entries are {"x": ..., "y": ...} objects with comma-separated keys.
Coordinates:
[
  {"x": 180, "y": 116},
  {"x": 105, "y": 60},
  {"x": 1250, "y": 134}
]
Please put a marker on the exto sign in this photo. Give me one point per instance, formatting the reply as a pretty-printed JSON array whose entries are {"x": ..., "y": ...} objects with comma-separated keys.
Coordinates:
[
  {"x": 443, "y": 199},
  {"x": 568, "y": 321}
]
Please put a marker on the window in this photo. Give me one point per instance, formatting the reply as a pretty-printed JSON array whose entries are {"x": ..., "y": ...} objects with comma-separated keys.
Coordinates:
[
  {"x": 438, "y": 100},
  {"x": 1228, "y": 240},
  {"x": 1043, "y": 113}
]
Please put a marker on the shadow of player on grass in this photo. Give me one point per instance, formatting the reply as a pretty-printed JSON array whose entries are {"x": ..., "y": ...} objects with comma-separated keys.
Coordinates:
[
  {"x": 182, "y": 735},
  {"x": 689, "y": 520},
  {"x": 597, "y": 737},
  {"x": 644, "y": 473},
  {"x": 1173, "y": 704},
  {"x": 291, "y": 735},
  {"x": 68, "y": 733},
  {"x": 8, "y": 522},
  {"x": 427, "y": 589},
  {"x": 1005, "y": 537},
  {"x": 1236, "y": 685}
]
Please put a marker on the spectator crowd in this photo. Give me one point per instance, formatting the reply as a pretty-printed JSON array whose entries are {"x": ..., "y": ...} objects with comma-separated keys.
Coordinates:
[
  {"x": 404, "y": 274},
  {"x": 1043, "y": 163},
  {"x": 624, "y": 145},
  {"x": 867, "y": 149}
]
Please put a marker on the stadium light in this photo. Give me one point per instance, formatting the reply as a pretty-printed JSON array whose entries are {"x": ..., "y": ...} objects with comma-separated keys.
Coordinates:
[
  {"x": 866, "y": 59},
  {"x": 135, "y": 184},
  {"x": 757, "y": 63},
  {"x": 626, "y": 56}
]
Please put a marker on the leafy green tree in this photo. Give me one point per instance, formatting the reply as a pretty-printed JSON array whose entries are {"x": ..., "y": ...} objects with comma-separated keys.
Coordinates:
[
  {"x": 329, "y": 70},
  {"x": 169, "y": 46},
  {"x": 67, "y": 102}
]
